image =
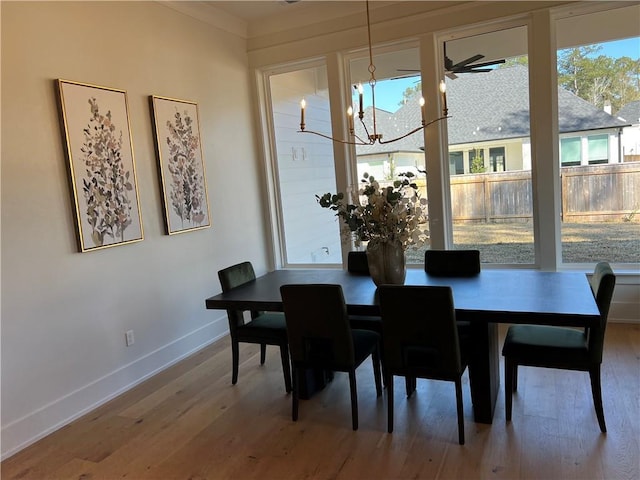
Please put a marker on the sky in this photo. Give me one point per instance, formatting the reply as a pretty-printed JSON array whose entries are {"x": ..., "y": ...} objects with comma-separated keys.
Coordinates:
[{"x": 389, "y": 92}]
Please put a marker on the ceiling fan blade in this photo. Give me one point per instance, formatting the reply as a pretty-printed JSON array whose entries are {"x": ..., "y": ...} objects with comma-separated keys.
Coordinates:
[
  {"x": 466, "y": 62},
  {"x": 485, "y": 64}
]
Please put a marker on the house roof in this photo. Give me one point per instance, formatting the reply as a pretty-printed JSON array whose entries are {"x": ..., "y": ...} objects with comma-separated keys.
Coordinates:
[
  {"x": 484, "y": 107},
  {"x": 630, "y": 113}
]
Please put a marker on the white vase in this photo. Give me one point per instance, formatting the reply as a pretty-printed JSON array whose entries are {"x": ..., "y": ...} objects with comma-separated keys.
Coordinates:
[{"x": 386, "y": 262}]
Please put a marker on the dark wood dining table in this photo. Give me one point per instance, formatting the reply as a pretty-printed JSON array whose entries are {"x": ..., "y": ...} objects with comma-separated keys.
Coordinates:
[{"x": 485, "y": 300}]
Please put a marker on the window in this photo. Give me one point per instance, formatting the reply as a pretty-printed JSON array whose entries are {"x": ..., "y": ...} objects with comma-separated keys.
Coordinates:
[
  {"x": 456, "y": 163},
  {"x": 599, "y": 198},
  {"x": 570, "y": 151},
  {"x": 492, "y": 212},
  {"x": 496, "y": 159},
  {"x": 397, "y": 112},
  {"x": 598, "y": 147},
  {"x": 304, "y": 167}
]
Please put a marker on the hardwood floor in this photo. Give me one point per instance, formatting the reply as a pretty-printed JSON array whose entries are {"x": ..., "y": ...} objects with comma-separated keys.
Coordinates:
[{"x": 189, "y": 422}]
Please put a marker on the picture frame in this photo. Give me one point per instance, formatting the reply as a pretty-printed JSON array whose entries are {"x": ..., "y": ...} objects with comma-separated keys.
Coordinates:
[
  {"x": 181, "y": 164},
  {"x": 99, "y": 149}
]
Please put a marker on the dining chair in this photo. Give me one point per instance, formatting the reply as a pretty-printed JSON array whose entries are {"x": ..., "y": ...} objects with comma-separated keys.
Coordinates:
[
  {"x": 420, "y": 340},
  {"x": 263, "y": 328},
  {"x": 452, "y": 263},
  {"x": 357, "y": 264},
  {"x": 320, "y": 337},
  {"x": 562, "y": 348}
]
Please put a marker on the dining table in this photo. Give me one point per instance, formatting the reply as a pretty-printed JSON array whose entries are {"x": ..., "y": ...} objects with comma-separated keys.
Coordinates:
[{"x": 485, "y": 300}]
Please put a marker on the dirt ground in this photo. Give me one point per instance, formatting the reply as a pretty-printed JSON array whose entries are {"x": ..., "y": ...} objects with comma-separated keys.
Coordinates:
[{"x": 513, "y": 242}]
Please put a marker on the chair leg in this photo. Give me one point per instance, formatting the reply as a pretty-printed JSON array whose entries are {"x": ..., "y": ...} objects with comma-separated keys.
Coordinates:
[
  {"x": 375, "y": 357},
  {"x": 286, "y": 369},
  {"x": 389, "y": 381},
  {"x": 297, "y": 372},
  {"x": 263, "y": 353},
  {"x": 596, "y": 391},
  {"x": 460, "y": 411},
  {"x": 510, "y": 372},
  {"x": 410, "y": 383},
  {"x": 354, "y": 398},
  {"x": 235, "y": 360}
]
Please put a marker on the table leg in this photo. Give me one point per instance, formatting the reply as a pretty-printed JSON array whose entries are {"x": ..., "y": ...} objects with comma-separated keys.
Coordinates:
[{"x": 484, "y": 370}]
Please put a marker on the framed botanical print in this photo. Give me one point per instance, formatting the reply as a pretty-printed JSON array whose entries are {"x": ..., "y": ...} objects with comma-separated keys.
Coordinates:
[
  {"x": 101, "y": 164},
  {"x": 182, "y": 172}
]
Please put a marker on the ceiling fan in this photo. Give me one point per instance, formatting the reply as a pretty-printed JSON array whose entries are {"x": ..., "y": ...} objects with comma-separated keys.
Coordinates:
[
  {"x": 468, "y": 65},
  {"x": 465, "y": 66}
]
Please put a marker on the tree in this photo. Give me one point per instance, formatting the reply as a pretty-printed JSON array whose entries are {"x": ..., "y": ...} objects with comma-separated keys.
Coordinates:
[
  {"x": 599, "y": 79},
  {"x": 409, "y": 92},
  {"x": 477, "y": 163}
]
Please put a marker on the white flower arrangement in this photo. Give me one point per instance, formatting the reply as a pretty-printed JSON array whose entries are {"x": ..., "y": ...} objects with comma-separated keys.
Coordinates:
[{"x": 393, "y": 213}]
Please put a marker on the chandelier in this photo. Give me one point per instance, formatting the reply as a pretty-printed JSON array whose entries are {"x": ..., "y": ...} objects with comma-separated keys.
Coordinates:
[{"x": 372, "y": 134}]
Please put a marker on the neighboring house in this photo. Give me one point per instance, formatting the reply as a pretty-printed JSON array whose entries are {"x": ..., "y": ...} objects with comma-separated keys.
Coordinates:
[
  {"x": 630, "y": 113},
  {"x": 489, "y": 121}
]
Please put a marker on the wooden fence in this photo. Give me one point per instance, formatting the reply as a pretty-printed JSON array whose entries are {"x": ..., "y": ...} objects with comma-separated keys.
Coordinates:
[{"x": 590, "y": 193}]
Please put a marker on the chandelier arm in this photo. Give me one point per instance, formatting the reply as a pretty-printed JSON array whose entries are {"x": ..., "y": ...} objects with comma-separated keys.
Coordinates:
[
  {"x": 412, "y": 131},
  {"x": 346, "y": 142},
  {"x": 366, "y": 130},
  {"x": 361, "y": 141}
]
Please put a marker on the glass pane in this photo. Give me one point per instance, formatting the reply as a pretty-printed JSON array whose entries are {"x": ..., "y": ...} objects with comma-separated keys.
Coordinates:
[
  {"x": 397, "y": 95},
  {"x": 597, "y": 81},
  {"x": 598, "y": 146},
  {"x": 491, "y": 202},
  {"x": 456, "y": 163},
  {"x": 570, "y": 151},
  {"x": 305, "y": 167}
]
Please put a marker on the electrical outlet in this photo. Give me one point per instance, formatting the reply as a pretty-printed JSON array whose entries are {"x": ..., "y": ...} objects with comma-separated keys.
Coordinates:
[{"x": 128, "y": 337}]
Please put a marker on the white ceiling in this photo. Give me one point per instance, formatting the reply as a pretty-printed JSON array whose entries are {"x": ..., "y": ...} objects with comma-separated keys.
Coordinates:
[
  {"x": 255, "y": 17},
  {"x": 250, "y": 10}
]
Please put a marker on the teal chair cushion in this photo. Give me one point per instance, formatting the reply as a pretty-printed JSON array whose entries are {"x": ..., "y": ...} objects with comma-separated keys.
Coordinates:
[{"x": 542, "y": 346}]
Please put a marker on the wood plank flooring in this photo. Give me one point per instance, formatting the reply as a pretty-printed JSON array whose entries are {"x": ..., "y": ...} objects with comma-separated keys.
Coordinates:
[{"x": 189, "y": 422}]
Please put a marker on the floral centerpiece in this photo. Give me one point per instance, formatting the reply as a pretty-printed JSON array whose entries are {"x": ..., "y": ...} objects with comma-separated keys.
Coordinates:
[{"x": 389, "y": 218}]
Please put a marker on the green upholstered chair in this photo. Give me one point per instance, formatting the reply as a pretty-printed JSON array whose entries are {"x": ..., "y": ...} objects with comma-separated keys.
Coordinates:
[
  {"x": 320, "y": 337},
  {"x": 420, "y": 339},
  {"x": 563, "y": 348},
  {"x": 264, "y": 328},
  {"x": 357, "y": 264},
  {"x": 452, "y": 263}
]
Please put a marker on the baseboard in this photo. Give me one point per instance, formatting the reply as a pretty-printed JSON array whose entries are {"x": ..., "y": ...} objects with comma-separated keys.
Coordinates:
[{"x": 32, "y": 427}]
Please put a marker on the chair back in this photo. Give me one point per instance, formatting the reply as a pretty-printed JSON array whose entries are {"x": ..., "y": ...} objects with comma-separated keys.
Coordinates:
[
  {"x": 236, "y": 275},
  {"x": 603, "y": 282},
  {"x": 357, "y": 263},
  {"x": 318, "y": 325},
  {"x": 452, "y": 263},
  {"x": 230, "y": 278},
  {"x": 419, "y": 333}
]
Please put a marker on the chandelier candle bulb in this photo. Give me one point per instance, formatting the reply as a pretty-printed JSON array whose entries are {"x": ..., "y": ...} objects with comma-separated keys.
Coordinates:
[
  {"x": 422, "y": 102},
  {"x": 360, "y": 100},
  {"x": 443, "y": 90},
  {"x": 350, "y": 118},
  {"x": 303, "y": 104}
]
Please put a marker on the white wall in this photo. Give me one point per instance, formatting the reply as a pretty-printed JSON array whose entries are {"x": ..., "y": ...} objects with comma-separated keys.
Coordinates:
[{"x": 64, "y": 313}]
